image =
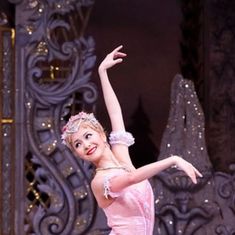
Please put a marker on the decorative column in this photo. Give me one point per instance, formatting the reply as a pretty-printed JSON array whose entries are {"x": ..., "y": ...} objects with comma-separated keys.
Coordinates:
[
  {"x": 181, "y": 206},
  {"x": 7, "y": 127},
  {"x": 54, "y": 63}
]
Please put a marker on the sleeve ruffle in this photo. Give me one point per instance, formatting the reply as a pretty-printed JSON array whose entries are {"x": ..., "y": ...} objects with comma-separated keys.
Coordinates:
[
  {"x": 121, "y": 137},
  {"x": 107, "y": 189}
]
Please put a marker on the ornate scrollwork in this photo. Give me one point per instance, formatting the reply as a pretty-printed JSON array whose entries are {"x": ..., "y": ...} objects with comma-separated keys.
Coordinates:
[
  {"x": 77, "y": 80},
  {"x": 53, "y": 56},
  {"x": 59, "y": 62},
  {"x": 226, "y": 189},
  {"x": 225, "y": 192},
  {"x": 224, "y": 230}
]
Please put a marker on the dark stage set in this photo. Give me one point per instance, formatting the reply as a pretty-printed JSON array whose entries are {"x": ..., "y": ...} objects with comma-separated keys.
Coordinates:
[{"x": 176, "y": 88}]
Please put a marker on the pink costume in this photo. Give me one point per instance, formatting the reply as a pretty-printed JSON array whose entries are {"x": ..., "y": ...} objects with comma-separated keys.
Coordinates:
[{"x": 132, "y": 211}]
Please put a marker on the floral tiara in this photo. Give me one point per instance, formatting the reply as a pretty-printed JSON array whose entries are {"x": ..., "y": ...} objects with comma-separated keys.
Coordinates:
[{"x": 71, "y": 127}]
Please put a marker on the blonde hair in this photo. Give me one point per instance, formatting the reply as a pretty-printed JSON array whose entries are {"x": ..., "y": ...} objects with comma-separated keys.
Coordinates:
[{"x": 75, "y": 122}]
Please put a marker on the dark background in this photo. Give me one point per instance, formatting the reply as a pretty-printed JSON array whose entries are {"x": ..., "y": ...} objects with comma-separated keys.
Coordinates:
[
  {"x": 163, "y": 38},
  {"x": 150, "y": 34}
]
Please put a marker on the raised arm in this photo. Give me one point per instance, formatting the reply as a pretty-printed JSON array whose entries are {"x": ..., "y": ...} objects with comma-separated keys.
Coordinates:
[
  {"x": 112, "y": 103},
  {"x": 110, "y": 98}
]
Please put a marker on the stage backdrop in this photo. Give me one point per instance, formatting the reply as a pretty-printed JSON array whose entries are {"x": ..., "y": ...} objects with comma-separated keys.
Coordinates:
[{"x": 180, "y": 67}]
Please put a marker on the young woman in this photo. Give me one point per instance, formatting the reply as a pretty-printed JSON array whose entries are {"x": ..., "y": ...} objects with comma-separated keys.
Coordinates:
[{"x": 121, "y": 190}]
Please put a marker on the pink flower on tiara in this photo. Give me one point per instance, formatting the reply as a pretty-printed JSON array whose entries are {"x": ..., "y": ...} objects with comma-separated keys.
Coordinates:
[{"x": 72, "y": 127}]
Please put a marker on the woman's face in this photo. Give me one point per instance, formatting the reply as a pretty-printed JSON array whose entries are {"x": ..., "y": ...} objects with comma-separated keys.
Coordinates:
[{"x": 88, "y": 143}]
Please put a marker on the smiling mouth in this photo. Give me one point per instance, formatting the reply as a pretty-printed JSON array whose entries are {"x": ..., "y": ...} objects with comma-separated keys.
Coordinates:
[{"x": 90, "y": 151}]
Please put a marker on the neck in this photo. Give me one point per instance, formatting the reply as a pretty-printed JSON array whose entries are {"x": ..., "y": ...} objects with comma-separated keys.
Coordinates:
[
  {"x": 108, "y": 160},
  {"x": 112, "y": 168}
]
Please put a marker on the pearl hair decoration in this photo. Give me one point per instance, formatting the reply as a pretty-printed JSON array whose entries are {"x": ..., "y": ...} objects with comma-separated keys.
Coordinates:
[{"x": 74, "y": 122}]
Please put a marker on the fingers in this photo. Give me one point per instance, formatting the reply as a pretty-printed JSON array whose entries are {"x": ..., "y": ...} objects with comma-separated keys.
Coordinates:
[
  {"x": 116, "y": 54},
  {"x": 189, "y": 169},
  {"x": 194, "y": 179},
  {"x": 198, "y": 173},
  {"x": 117, "y": 61},
  {"x": 117, "y": 51},
  {"x": 192, "y": 176},
  {"x": 192, "y": 172},
  {"x": 118, "y": 48},
  {"x": 119, "y": 54},
  {"x": 195, "y": 174}
]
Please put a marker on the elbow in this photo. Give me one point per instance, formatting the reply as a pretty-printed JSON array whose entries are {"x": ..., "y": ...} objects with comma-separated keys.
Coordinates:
[{"x": 132, "y": 179}]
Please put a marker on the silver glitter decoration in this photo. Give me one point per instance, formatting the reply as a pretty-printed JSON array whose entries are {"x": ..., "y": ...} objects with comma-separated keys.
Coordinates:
[{"x": 184, "y": 134}]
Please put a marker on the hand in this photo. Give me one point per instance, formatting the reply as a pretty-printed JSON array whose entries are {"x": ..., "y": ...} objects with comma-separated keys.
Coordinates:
[
  {"x": 188, "y": 168},
  {"x": 113, "y": 58}
]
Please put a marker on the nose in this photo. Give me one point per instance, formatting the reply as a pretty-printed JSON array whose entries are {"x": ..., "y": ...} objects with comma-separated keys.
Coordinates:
[{"x": 87, "y": 145}]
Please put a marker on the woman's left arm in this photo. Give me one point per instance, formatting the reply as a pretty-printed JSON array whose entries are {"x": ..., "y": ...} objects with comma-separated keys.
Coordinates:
[
  {"x": 120, "y": 182},
  {"x": 112, "y": 104}
]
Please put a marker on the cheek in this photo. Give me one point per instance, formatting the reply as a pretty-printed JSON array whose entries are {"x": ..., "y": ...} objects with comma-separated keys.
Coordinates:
[
  {"x": 78, "y": 152},
  {"x": 102, "y": 145},
  {"x": 79, "y": 155}
]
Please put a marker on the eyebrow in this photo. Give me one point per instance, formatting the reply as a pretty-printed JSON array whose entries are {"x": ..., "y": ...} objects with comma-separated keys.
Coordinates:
[{"x": 77, "y": 140}]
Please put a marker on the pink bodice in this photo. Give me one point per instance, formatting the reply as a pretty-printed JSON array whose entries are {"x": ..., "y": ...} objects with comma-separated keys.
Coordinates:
[{"x": 132, "y": 211}]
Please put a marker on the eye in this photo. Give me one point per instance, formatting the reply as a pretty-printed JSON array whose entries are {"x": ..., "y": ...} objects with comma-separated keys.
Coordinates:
[
  {"x": 77, "y": 145},
  {"x": 88, "y": 135}
]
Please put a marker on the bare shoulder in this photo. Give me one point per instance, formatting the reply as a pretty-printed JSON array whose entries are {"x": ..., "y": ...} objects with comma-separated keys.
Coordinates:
[
  {"x": 96, "y": 183},
  {"x": 97, "y": 186}
]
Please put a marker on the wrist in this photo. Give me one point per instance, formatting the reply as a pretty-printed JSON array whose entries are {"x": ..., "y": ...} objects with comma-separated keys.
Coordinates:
[
  {"x": 102, "y": 70},
  {"x": 175, "y": 160}
]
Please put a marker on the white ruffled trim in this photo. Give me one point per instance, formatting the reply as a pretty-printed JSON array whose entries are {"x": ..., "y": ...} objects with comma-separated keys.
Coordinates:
[
  {"x": 121, "y": 137},
  {"x": 107, "y": 190}
]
